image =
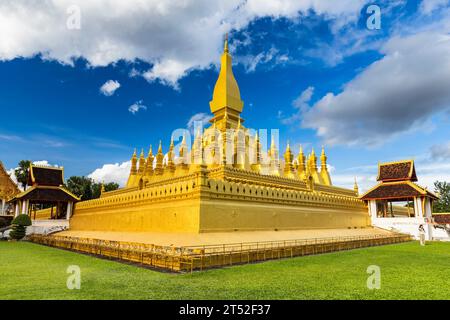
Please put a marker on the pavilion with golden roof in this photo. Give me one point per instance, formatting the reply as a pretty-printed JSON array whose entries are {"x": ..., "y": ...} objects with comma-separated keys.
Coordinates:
[{"x": 224, "y": 181}]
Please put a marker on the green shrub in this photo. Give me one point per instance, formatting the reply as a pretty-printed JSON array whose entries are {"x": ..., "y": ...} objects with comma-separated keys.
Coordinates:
[
  {"x": 19, "y": 226},
  {"x": 22, "y": 220}
]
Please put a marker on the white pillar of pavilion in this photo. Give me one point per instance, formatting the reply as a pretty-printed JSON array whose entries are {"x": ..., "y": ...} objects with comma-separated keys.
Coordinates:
[
  {"x": 17, "y": 209},
  {"x": 3, "y": 207},
  {"x": 373, "y": 208},
  {"x": 25, "y": 205},
  {"x": 418, "y": 207},
  {"x": 69, "y": 210}
]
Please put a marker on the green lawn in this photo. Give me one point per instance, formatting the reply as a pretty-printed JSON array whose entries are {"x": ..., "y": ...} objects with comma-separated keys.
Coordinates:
[{"x": 408, "y": 271}]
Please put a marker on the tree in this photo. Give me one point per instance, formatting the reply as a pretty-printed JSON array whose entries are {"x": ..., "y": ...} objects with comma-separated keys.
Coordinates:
[
  {"x": 78, "y": 186},
  {"x": 22, "y": 173},
  {"x": 97, "y": 188},
  {"x": 87, "y": 189},
  {"x": 19, "y": 226},
  {"x": 443, "y": 189}
]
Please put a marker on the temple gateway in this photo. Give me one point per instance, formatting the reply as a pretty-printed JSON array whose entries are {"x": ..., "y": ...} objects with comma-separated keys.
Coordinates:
[{"x": 225, "y": 182}]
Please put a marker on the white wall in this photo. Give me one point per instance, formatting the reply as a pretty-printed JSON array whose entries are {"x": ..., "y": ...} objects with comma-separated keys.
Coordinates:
[{"x": 405, "y": 225}]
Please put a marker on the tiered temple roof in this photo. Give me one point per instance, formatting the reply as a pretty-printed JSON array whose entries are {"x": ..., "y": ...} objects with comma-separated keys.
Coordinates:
[
  {"x": 46, "y": 185},
  {"x": 397, "y": 182}
]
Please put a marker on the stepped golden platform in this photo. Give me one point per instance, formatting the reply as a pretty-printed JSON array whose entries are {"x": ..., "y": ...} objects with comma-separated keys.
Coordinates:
[{"x": 189, "y": 252}]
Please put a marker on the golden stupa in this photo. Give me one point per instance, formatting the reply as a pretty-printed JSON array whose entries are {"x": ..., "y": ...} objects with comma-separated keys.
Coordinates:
[{"x": 225, "y": 182}]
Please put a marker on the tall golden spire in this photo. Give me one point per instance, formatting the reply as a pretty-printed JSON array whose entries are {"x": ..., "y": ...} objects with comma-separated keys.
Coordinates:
[
  {"x": 159, "y": 160},
  {"x": 356, "y": 188},
  {"x": 313, "y": 161},
  {"x": 226, "y": 91},
  {"x": 142, "y": 162},
  {"x": 288, "y": 157},
  {"x": 326, "y": 179},
  {"x": 171, "y": 156},
  {"x": 149, "y": 163},
  {"x": 301, "y": 164},
  {"x": 134, "y": 163},
  {"x": 256, "y": 166}
]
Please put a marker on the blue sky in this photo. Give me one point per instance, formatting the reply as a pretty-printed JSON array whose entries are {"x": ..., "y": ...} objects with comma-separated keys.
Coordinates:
[{"x": 311, "y": 69}]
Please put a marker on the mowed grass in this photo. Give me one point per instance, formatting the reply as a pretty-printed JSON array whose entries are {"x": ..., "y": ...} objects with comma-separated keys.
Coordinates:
[{"x": 408, "y": 271}]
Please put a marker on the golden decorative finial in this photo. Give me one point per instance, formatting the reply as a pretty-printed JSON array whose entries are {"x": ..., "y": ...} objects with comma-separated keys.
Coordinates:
[
  {"x": 225, "y": 47},
  {"x": 355, "y": 187},
  {"x": 160, "y": 147}
]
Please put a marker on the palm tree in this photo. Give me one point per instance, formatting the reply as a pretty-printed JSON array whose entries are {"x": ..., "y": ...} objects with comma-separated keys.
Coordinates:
[{"x": 22, "y": 173}]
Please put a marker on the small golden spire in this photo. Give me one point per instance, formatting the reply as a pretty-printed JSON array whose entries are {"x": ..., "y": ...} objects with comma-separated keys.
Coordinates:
[
  {"x": 142, "y": 162},
  {"x": 133, "y": 170},
  {"x": 356, "y": 188},
  {"x": 159, "y": 160},
  {"x": 183, "y": 147},
  {"x": 150, "y": 152},
  {"x": 323, "y": 158}
]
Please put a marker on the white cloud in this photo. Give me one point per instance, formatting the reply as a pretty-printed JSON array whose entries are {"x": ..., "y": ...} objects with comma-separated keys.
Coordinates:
[
  {"x": 440, "y": 151},
  {"x": 197, "y": 119},
  {"x": 428, "y": 6},
  {"x": 174, "y": 36},
  {"x": 301, "y": 103},
  {"x": 396, "y": 94},
  {"x": 116, "y": 172},
  {"x": 251, "y": 62},
  {"x": 12, "y": 174},
  {"x": 109, "y": 87},
  {"x": 136, "y": 107},
  {"x": 44, "y": 163}
]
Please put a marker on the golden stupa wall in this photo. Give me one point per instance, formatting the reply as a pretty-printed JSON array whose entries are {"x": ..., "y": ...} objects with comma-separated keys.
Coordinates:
[{"x": 201, "y": 204}]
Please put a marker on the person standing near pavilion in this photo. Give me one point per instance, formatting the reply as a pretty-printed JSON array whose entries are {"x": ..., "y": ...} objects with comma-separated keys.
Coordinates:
[{"x": 422, "y": 235}]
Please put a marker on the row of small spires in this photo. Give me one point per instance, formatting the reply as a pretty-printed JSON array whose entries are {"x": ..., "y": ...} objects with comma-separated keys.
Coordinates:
[{"x": 146, "y": 168}]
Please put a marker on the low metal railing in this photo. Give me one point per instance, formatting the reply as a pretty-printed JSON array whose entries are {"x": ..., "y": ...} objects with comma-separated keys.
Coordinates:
[{"x": 201, "y": 257}]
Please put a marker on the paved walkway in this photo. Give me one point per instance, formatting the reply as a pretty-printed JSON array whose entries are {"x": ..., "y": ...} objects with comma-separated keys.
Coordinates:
[{"x": 193, "y": 239}]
